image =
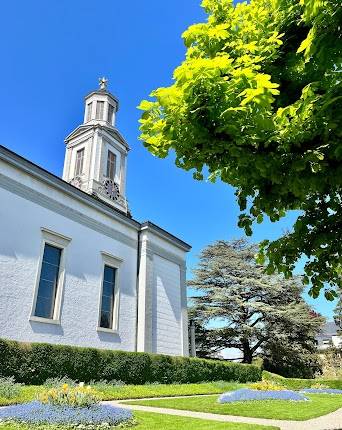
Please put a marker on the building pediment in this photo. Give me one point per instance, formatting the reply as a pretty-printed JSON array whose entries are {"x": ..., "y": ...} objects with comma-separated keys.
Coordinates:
[{"x": 83, "y": 129}]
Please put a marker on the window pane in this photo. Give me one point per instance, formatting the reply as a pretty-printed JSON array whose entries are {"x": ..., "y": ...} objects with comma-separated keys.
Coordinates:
[
  {"x": 107, "y": 303},
  {"x": 44, "y": 308},
  {"x": 79, "y": 162},
  {"x": 89, "y": 112},
  {"x": 48, "y": 282},
  {"x": 105, "y": 320},
  {"x": 99, "y": 110},
  {"x": 111, "y": 161},
  {"x": 110, "y": 114},
  {"x": 46, "y": 289},
  {"x": 107, "y": 299},
  {"x": 52, "y": 254},
  {"x": 109, "y": 274}
]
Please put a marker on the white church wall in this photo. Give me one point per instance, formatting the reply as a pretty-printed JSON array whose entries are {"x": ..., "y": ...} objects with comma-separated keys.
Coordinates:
[
  {"x": 22, "y": 217},
  {"x": 166, "y": 304},
  {"x": 162, "y": 313}
]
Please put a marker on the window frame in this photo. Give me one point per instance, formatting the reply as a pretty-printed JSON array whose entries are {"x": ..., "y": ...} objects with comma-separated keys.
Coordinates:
[
  {"x": 110, "y": 113},
  {"x": 109, "y": 152},
  {"x": 80, "y": 150},
  {"x": 99, "y": 112},
  {"x": 89, "y": 111},
  {"x": 60, "y": 241},
  {"x": 115, "y": 263}
]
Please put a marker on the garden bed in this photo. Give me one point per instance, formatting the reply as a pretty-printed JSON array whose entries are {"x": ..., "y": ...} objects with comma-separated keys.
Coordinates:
[
  {"x": 319, "y": 404},
  {"x": 150, "y": 421}
]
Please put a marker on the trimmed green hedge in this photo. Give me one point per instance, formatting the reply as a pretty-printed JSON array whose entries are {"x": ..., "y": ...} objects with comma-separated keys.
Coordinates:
[
  {"x": 34, "y": 363},
  {"x": 297, "y": 384}
]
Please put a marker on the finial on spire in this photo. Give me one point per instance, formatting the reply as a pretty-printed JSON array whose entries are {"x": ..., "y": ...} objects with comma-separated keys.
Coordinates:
[{"x": 103, "y": 83}]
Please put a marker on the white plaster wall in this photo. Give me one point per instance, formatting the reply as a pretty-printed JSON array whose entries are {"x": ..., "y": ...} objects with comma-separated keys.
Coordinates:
[
  {"x": 20, "y": 245},
  {"x": 166, "y": 315}
]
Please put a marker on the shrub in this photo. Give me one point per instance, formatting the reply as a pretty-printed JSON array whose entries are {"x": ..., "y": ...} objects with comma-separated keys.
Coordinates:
[
  {"x": 39, "y": 413},
  {"x": 246, "y": 394},
  {"x": 59, "y": 382},
  {"x": 81, "y": 396},
  {"x": 37, "y": 362},
  {"x": 9, "y": 389}
]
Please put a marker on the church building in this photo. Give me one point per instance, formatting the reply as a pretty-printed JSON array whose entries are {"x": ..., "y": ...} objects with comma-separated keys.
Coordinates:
[{"x": 75, "y": 267}]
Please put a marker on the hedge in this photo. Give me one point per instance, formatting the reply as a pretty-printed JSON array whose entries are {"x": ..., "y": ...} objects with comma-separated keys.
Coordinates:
[
  {"x": 33, "y": 363},
  {"x": 297, "y": 383}
]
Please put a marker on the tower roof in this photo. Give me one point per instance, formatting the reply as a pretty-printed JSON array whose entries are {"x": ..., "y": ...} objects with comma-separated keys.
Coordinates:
[{"x": 103, "y": 82}]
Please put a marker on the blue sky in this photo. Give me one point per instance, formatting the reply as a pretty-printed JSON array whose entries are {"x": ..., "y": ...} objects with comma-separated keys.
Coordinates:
[{"x": 53, "y": 53}]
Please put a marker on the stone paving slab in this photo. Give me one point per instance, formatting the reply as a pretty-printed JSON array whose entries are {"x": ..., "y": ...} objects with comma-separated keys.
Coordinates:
[{"x": 332, "y": 421}]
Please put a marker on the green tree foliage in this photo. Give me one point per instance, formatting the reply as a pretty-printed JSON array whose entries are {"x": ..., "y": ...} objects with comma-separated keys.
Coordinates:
[
  {"x": 249, "y": 310},
  {"x": 258, "y": 102}
]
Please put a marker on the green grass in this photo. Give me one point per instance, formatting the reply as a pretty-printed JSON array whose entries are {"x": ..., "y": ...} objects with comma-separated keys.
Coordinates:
[
  {"x": 318, "y": 405},
  {"x": 297, "y": 383},
  {"x": 161, "y": 390},
  {"x": 150, "y": 421},
  {"x": 29, "y": 393}
]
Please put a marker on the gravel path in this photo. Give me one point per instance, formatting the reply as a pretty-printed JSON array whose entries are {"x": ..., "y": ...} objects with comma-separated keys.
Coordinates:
[{"x": 332, "y": 421}]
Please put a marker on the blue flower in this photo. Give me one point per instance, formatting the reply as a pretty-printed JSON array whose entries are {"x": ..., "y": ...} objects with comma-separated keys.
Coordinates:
[
  {"x": 247, "y": 394},
  {"x": 39, "y": 413},
  {"x": 321, "y": 391}
]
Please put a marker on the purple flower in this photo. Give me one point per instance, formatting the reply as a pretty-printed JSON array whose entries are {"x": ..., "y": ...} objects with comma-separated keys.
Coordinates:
[
  {"x": 39, "y": 413},
  {"x": 321, "y": 391},
  {"x": 247, "y": 394}
]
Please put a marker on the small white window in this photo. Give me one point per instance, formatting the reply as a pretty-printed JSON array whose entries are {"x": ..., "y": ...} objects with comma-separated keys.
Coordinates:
[
  {"x": 48, "y": 281},
  {"x": 99, "y": 110},
  {"x": 110, "y": 114},
  {"x": 50, "y": 278},
  {"x": 111, "y": 162},
  {"x": 79, "y": 162},
  {"x": 109, "y": 294},
  {"x": 89, "y": 111}
]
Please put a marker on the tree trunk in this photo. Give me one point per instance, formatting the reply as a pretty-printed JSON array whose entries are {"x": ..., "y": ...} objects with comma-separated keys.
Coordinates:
[{"x": 247, "y": 352}]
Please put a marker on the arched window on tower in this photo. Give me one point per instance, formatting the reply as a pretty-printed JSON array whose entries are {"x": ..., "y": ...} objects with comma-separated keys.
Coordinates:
[
  {"x": 79, "y": 162},
  {"x": 111, "y": 161},
  {"x": 110, "y": 114},
  {"x": 99, "y": 110}
]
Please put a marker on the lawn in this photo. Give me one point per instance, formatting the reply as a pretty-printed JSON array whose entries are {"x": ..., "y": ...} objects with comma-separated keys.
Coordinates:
[
  {"x": 319, "y": 404},
  {"x": 108, "y": 392},
  {"x": 150, "y": 421}
]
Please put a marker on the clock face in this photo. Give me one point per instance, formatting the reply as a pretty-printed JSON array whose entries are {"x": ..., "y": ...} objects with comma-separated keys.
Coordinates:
[
  {"x": 76, "y": 182},
  {"x": 111, "y": 189}
]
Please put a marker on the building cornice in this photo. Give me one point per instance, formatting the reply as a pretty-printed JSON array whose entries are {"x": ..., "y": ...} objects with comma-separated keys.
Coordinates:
[
  {"x": 56, "y": 182},
  {"x": 163, "y": 234},
  {"x": 49, "y": 178}
]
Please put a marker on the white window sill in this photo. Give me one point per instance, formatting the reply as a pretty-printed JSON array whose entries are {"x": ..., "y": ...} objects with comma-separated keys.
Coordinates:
[
  {"x": 107, "y": 330},
  {"x": 44, "y": 320}
]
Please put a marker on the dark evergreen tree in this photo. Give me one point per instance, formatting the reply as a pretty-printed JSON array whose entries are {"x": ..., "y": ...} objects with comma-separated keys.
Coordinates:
[{"x": 238, "y": 306}]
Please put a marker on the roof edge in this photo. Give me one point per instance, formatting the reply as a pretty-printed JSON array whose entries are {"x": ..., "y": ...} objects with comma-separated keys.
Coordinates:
[
  {"x": 40, "y": 173},
  {"x": 165, "y": 235}
]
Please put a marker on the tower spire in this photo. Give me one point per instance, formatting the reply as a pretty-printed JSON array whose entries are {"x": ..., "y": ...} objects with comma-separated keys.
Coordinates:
[{"x": 103, "y": 83}]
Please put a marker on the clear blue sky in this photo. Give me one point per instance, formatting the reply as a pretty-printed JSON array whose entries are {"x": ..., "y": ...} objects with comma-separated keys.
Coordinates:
[{"x": 52, "y": 55}]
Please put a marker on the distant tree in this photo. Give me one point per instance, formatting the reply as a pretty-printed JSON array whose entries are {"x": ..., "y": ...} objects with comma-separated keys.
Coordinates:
[
  {"x": 258, "y": 102},
  {"x": 338, "y": 312},
  {"x": 292, "y": 350},
  {"x": 238, "y": 306}
]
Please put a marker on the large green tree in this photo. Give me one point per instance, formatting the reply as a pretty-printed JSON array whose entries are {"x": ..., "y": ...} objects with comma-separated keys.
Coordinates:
[
  {"x": 238, "y": 306},
  {"x": 258, "y": 102}
]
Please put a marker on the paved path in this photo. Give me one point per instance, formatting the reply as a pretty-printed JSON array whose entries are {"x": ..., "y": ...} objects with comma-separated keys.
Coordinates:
[{"x": 332, "y": 421}]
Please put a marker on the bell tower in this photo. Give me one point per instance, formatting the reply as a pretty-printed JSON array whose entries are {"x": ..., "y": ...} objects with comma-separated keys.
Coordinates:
[{"x": 96, "y": 153}]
